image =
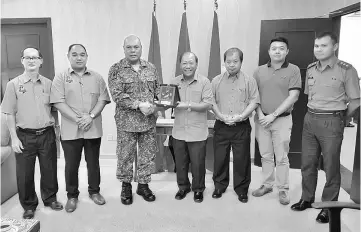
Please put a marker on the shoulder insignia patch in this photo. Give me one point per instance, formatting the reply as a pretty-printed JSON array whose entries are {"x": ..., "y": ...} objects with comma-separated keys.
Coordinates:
[
  {"x": 344, "y": 65},
  {"x": 311, "y": 65}
]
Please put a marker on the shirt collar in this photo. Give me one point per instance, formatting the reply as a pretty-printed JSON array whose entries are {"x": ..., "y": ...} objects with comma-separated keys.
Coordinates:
[
  {"x": 331, "y": 64},
  {"x": 195, "y": 78},
  {"x": 226, "y": 74},
  {"x": 25, "y": 78},
  {"x": 284, "y": 65},
  {"x": 127, "y": 64},
  {"x": 87, "y": 71}
]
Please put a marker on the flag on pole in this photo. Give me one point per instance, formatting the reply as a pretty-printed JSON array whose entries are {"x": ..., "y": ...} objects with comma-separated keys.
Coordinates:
[
  {"x": 183, "y": 44},
  {"x": 154, "y": 48},
  {"x": 214, "y": 67}
]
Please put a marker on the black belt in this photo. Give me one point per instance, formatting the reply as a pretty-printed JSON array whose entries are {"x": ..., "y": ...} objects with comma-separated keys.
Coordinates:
[
  {"x": 235, "y": 124},
  {"x": 326, "y": 112},
  {"x": 35, "y": 131},
  {"x": 284, "y": 114}
]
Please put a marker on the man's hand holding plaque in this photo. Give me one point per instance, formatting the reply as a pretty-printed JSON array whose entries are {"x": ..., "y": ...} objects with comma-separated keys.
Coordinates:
[{"x": 146, "y": 108}]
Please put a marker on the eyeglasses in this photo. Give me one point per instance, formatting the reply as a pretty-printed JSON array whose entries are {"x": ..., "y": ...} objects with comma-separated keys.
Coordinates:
[{"x": 31, "y": 58}]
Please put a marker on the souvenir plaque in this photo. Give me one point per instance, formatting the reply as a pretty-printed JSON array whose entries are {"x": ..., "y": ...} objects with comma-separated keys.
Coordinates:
[{"x": 169, "y": 96}]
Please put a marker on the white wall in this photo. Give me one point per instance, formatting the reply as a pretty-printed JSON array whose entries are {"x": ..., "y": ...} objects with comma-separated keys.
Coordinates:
[{"x": 101, "y": 26}]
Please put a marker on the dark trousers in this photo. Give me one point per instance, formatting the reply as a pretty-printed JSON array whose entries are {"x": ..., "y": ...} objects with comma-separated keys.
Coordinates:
[
  {"x": 44, "y": 147},
  {"x": 194, "y": 153},
  {"x": 72, "y": 154},
  {"x": 321, "y": 133},
  {"x": 239, "y": 138}
]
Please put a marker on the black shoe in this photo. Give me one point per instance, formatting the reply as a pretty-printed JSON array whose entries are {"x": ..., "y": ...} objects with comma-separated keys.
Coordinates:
[
  {"x": 28, "y": 214},
  {"x": 55, "y": 205},
  {"x": 71, "y": 205},
  {"x": 243, "y": 197},
  {"x": 126, "y": 195},
  {"x": 182, "y": 193},
  {"x": 217, "y": 193},
  {"x": 198, "y": 197},
  {"x": 322, "y": 217},
  {"x": 301, "y": 205},
  {"x": 144, "y": 191}
]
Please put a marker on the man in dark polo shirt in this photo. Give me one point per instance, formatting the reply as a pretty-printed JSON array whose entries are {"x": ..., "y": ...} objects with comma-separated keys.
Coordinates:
[
  {"x": 31, "y": 126},
  {"x": 333, "y": 90},
  {"x": 279, "y": 85},
  {"x": 236, "y": 97}
]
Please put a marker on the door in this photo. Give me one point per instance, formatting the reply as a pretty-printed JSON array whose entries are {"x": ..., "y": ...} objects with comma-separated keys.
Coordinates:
[
  {"x": 301, "y": 34},
  {"x": 17, "y": 34}
]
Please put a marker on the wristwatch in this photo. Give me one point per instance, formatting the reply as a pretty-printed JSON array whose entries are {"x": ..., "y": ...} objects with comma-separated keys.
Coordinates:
[
  {"x": 189, "y": 107},
  {"x": 92, "y": 115},
  {"x": 275, "y": 114}
]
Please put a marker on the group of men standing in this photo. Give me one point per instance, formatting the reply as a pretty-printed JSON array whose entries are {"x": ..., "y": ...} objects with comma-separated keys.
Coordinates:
[{"x": 80, "y": 95}]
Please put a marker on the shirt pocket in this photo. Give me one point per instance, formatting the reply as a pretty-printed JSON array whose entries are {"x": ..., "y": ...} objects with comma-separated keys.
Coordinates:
[
  {"x": 242, "y": 94},
  {"x": 330, "y": 88},
  {"x": 129, "y": 86},
  {"x": 196, "y": 96}
]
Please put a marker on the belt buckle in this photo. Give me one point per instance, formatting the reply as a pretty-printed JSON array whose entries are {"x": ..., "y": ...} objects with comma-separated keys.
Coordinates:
[{"x": 40, "y": 132}]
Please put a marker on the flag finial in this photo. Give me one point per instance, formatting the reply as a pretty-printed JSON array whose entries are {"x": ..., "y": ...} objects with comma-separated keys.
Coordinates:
[
  {"x": 154, "y": 5},
  {"x": 216, "y": 4},
  {"x": 185, "y": 4}
]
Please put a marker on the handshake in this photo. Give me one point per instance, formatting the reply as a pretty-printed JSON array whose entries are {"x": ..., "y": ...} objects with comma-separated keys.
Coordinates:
[
  {"x": 146, "y": 108},
  {"x": 231, "y": 119}
]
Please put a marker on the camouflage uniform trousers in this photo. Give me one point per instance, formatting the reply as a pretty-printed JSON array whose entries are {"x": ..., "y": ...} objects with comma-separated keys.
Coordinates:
[{"x": 127, "y": 152}]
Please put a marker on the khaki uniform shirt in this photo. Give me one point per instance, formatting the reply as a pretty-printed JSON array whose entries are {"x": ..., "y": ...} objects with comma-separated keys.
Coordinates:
[
  {"x": 29, "y": 102},
  {"x": 129, "y": 87},
  {"x": 274, "y": 84},
  {"x": 81, "y": 94},
  {"x": 332, "y": 87},
  {"x": 233, "y": 95},
  {"x": 192, "y": 126}
]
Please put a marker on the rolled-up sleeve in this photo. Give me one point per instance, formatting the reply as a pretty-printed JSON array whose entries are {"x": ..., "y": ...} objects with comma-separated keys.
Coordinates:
[
  {"x": 352, "y": 84},
  {"x": 116, "y": 88},
  {"x": 9, "y": 103},
  {"x": 207, "y": 94},
  {"x": 253, "y": 91},
  {"x": 57, "y": 93},
  {"x": 104, "y": 95}
]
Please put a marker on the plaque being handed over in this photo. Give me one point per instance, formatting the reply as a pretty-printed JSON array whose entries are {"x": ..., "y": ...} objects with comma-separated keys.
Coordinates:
[{"x": 169, "y": 95}]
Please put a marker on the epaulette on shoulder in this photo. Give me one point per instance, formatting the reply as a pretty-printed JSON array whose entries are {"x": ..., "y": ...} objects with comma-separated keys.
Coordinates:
[
  {"x": 311, "y": 65},
  {"x": 344, "y": 65}
]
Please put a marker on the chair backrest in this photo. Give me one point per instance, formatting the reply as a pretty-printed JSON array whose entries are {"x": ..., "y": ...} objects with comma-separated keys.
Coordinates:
[{"x": 5, "y": 134}]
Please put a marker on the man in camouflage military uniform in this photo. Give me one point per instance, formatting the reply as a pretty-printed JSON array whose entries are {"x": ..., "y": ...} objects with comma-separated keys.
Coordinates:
[
  {"x": 333, "y": 88},
  {"x": 133, "y": 84}
]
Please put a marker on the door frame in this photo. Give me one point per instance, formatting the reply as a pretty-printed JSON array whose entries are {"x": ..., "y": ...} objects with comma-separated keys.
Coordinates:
[{"x": 47, "y": 22}]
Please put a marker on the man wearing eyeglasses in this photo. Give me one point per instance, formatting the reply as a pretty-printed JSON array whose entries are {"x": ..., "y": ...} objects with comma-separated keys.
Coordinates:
[
  {"x": 80, "y": 94},
  {"x": 31, "y": 125}
]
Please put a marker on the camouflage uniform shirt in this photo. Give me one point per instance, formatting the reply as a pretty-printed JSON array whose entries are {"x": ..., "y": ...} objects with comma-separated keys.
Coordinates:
[{"x": 129, "y": 87}]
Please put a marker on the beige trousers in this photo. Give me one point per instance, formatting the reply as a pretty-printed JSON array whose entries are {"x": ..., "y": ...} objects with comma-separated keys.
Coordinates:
[{"x": 273, "y": 141}]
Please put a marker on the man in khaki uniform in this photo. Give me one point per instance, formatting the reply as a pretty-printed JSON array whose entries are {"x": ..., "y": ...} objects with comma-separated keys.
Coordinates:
[
  {"x": 279, "y": 85},
  {"x": 236, "y": 97},
  {"x": 333, "y": 90},
  {"x": 190, "y": 129},
  {"x": 80, "y": 94},
  {"x": 31, "y": 126}
]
